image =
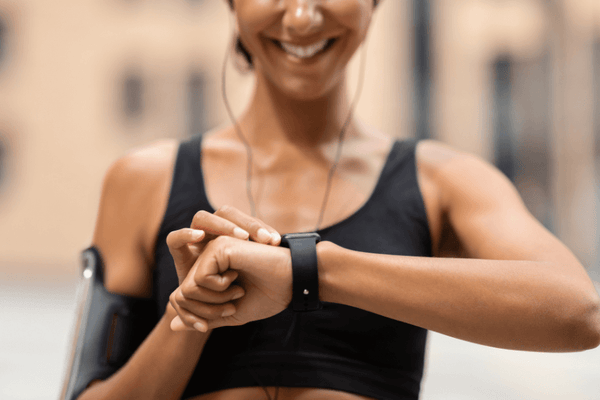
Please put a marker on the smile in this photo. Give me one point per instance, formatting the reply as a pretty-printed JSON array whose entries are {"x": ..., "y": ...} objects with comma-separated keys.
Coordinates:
[{"x": 304, "y": 52}]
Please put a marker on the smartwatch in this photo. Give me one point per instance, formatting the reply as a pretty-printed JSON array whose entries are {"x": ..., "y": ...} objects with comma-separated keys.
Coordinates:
[{"x": 305, "y": 274}]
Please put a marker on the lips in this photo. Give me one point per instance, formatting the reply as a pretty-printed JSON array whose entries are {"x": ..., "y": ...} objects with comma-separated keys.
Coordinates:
[{"x": 305, "y": 52}]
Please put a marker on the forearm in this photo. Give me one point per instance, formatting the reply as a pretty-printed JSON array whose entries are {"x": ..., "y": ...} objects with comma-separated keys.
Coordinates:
[
  {"x": 509, "y": 304},
  {"x": 159, "y": 369}
]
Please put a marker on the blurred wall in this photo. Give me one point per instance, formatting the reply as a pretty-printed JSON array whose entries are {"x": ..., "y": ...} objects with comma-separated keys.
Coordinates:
[{"x": 83, "y": 82}]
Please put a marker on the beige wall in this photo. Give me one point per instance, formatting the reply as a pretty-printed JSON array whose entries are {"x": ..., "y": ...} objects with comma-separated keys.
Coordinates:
[{"x": 60, "y": 104}]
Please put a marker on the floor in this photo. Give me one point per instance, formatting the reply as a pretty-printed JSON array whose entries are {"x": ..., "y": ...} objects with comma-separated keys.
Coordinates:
[{"x": 36, "y": 321}]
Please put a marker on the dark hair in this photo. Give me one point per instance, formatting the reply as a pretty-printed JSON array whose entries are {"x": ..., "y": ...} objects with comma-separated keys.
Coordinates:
[{"x": 241, "y": 50}]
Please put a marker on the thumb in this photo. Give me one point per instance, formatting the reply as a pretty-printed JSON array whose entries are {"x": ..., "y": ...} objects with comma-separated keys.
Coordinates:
[{"x": 178, "y": 243}]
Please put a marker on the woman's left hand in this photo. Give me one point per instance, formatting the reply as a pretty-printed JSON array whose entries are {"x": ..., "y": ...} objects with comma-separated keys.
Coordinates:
[{"x": 264, "y": 273}]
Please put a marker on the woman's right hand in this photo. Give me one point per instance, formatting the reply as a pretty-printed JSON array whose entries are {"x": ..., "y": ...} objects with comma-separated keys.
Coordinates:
[
  {"x": 208, "y": 298},
  {"x": 187, "y": 244}
]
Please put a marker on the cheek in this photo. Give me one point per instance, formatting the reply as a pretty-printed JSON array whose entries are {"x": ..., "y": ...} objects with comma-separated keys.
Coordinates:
[
  {"x": 254, "y": 16},
  {"x": 353, "y": 14}
]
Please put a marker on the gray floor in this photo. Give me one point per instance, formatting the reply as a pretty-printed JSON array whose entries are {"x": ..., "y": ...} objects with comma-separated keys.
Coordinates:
[{"x": 35, "y": 321}]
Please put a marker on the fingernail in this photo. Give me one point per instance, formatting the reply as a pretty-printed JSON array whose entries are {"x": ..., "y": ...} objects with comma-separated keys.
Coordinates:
[
  {"x": 238, "y": 295},
  {"x": 228, "y": 312},
  {"x": 275, "y": 238},
  {"x": 197, "y": 234},
  {"x": 240, "y": 233},
  {"x": 177, "y": 324},
  {"x": 263, "y": 235},
  {"x": 199, "y": 326}
]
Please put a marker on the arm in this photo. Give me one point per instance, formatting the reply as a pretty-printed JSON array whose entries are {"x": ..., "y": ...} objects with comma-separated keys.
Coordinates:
[
  {"x": 524, "y": 291},
  {"x": 159, "y": 369},
  {"x": 133, "y": 200}
]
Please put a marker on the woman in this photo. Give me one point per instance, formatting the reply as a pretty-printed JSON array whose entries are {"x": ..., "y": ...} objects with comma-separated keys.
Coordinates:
[{"x": 393, "y": 219}]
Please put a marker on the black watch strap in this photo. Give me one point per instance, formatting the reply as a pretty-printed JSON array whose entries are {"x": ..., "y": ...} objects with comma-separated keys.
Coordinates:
[{"x": 305, "y": 273}]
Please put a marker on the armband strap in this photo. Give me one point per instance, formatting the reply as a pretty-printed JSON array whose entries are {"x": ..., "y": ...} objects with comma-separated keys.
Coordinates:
[
  {"x": 305, "y": 272},
  {"x": 108, "y": 328}
]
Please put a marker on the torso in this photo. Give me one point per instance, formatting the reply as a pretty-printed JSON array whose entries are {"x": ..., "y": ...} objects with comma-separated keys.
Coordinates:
[{"x": 281, "y": 187}]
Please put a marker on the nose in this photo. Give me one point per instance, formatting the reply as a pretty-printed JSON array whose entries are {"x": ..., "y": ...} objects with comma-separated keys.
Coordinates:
[{"x": 303, "y": 17}]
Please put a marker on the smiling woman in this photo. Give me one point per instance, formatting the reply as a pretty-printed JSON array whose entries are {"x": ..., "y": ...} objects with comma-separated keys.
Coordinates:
[{"x": 205, "y": 230}]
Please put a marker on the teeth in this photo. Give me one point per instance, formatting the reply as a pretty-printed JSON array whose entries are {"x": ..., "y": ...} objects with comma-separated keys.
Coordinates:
[{"x": 304, "y": 51}]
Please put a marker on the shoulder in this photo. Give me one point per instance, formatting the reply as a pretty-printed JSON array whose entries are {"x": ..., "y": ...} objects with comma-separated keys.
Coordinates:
[
  {"x": 142, "y": 166},
  {"x": 461, "y": 177},
  {"x": 134, "y": 196},
  {"x": 460, "y": 192},
  {"x": 222, "y": 143},
  {"x": 436, "y": 157}
]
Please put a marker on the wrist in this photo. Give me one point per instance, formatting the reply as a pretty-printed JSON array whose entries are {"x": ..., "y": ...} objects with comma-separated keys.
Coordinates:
[{"x": 327, "y": 254}]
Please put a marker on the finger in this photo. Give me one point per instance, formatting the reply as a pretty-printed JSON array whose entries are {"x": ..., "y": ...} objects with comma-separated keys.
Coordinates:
[
  {"x": 177, "y": 325},
  {"x": 205, "y": 295},
  {"x": 258, "y": 230},
  {"x": 178, "y": 241},
  {"x": 187, "y": 320},
  {"x": 207, "y": 276},
  {"x": 215, "y": 225},
  {"x": 191, "y": 310}
]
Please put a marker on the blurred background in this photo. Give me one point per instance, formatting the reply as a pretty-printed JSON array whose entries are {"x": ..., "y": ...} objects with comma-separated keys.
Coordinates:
[{"x": 84, "y": 81}]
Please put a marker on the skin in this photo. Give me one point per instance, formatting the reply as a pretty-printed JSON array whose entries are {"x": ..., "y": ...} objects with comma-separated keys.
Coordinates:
[{"x": 497, "y": 278}]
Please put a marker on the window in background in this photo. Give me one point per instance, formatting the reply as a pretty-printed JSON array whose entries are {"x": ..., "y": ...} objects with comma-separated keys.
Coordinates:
[
  {"x": 422, "y": 68},
  {"x": 504, "y": 132},
  {"x": 133, "y": 96},
  {"x": 196, "y": 115},
  {"x": 532, "y": 97}
]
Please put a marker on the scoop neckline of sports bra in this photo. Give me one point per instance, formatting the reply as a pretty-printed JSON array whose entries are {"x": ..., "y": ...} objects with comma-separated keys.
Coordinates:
[{"x": 395, "y": 143}]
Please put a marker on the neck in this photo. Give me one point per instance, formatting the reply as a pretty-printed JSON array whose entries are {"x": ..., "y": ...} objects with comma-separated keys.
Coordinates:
[{"x": 273, "y": 117}]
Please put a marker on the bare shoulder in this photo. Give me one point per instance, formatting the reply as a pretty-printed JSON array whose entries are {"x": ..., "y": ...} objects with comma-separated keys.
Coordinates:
[
  {"x": 462, "y": 177},
  {"x": 135, "y": 180},
  {"x": 147, "y": 162},
  {"x": 134, "y": 196},
  {"x": 437, "y": 157}
]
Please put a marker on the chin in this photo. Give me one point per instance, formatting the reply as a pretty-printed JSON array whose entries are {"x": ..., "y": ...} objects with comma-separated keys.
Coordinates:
[{"x": 304, "y": 90}]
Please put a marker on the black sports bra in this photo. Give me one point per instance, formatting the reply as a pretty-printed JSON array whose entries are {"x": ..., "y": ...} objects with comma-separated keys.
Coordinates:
[{"x": 338, "y": 347}]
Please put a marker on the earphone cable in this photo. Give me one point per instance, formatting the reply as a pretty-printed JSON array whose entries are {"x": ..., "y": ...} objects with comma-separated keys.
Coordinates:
[
  {"x": 341, "y": 137},
  {"x": 239, "y": 134},
  {"x": 343, "y": 133}
]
